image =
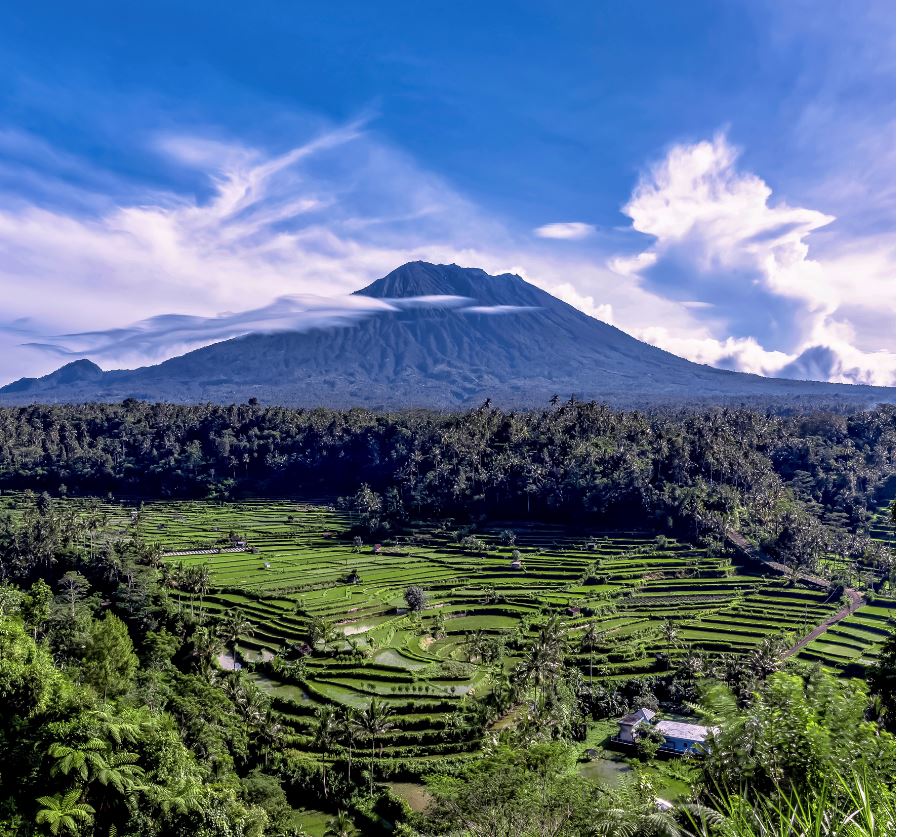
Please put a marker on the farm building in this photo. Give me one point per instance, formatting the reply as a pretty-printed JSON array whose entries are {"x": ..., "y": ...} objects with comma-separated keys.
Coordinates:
[
  {"x": 683, "y": 738},
  {"x": 679, "y": 737},
  {"x": 628, "y": 723}
]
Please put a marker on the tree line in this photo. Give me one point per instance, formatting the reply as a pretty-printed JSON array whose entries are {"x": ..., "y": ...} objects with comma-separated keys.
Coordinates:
[{"x": 803, "y": 484}]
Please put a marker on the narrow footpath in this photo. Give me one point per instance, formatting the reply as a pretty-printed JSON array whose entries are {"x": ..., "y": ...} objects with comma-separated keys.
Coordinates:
[{"x": 856, "y": 600}]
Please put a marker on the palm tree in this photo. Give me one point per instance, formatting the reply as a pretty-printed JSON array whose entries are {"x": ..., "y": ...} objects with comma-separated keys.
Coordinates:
[
  {"x": 591, "y": 640},
  {"x": 374, "y": 721},
  {"x": 202, "y": 578},
  {"x": 252, "y": 704},
  {"x": 670, "y": 632},
  {"x": 270, "y": 730},
  {"x": 346, "y": 730},
  {"x": 234, "y": 626},
  {"x": 172, "y": 578},
  {"x": 326, "y": 731},
  {"x": 544, "y": 660},
  {"x": 64, "y": 813},
  {"x": 206, "y": 648},
  {"x": 341, "y": 825},
  {"x": 197, "y": 580}
]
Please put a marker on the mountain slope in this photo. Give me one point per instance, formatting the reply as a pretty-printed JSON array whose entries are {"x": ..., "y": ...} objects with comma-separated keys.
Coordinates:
[{"x": 513, "y": 343}]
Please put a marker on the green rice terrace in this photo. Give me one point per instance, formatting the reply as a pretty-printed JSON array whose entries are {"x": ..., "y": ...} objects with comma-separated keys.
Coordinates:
[{"x": 294, "y": 572}]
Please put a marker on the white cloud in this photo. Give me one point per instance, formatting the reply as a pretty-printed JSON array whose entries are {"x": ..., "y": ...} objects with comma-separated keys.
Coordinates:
[
  {"x": 632, "y": 265},
  {"x": 272, "y": 226},
  {"x": 567, "y": 230},
  {"x": 568, "y": 293},
  {"x": 763, "y": 303}
]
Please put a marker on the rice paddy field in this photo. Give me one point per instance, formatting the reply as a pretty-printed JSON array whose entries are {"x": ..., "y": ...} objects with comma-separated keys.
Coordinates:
[
  {"x": 856, "y": 640},
  {"x": 883, "y": 524},
  {"x": 285, "y": 564}
]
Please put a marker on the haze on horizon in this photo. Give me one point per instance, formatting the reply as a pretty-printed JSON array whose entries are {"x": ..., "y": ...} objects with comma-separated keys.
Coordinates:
[{"x": 714, "y": 179}]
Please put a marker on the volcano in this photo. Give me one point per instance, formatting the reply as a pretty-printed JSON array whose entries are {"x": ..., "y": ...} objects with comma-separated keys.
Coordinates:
[{"x": 500, "y": 338}]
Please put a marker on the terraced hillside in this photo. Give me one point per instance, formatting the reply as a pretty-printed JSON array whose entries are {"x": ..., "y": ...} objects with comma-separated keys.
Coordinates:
[
  {"x": 883, "y": 524},
  {"x": 856, "y": 640},
  {"x": 291, "y": 567}
]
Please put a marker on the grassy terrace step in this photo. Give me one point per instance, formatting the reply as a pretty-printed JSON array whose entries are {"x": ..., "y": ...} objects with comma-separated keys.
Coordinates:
[
  {"x": 857, "y": 639},
  {"x": 299, "y": 556}
]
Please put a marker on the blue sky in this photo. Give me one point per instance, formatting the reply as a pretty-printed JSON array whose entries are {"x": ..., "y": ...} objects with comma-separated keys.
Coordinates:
[{"x": 716, "y": 178}]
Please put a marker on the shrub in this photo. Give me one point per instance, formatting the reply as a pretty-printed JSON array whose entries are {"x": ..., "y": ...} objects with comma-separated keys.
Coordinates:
[
  {"x": 507, "y": 537},
  {"x": 471, "y": 543},
  {"x": 416, "y": 598}
]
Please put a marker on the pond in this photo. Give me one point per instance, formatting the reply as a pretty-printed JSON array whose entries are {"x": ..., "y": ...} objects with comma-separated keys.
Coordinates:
[
  {"x": 285, "y": 691},
  {"x": 360, "y": 627},
  {"x": 604, "y": 770}
]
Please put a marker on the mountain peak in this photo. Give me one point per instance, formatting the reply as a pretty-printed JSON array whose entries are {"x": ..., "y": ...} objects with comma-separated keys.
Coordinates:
[
  {"x": 514, "y": 344},
  {"x": 426, "y": 279},
  {"x": 74, "y": 372}
]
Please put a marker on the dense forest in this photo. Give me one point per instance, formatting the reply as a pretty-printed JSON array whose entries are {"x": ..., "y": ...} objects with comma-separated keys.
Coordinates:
[{"x": 800, "y": 484}]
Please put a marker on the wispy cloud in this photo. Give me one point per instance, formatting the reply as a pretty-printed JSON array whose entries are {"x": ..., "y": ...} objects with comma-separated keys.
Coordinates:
[
  {"x": 565, "y": 230},
  {"x": 166, "y": 334},
  {"x": 318, "y": 221},
  {"x": 498, "y": 309}
]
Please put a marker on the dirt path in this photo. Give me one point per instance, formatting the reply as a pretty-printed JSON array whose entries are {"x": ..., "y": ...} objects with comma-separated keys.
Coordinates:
[
  {"x": 214, "y": 551},
  {"x": 856, "y": 600}
]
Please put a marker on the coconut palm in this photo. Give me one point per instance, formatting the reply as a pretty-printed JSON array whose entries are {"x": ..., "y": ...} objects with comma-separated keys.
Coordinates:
[
  {"x": 197, "y": 580},
  {"x": 591, "y": 640},
  {"x": 206, "y": 648},
  {"x": 64, "y": 813},
  {"x": 270, "y": 731},
  {"x": 374, "y": 721},
  {"x": 670, "y": 632},
  {"x": 202, "y": 579},
  {"x": 346, "y": 730},
  {"x": 251, "y": 703},
  {"x": 324, "y": 736},
  {"x": 341, "y": 825},
  {"x": 232, "y": 628}
]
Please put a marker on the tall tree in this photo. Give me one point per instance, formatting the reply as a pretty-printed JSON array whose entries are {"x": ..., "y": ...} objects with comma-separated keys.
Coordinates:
[
  {"x": 374, "y": 721},
  {"x": 109, "y": 659}
]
